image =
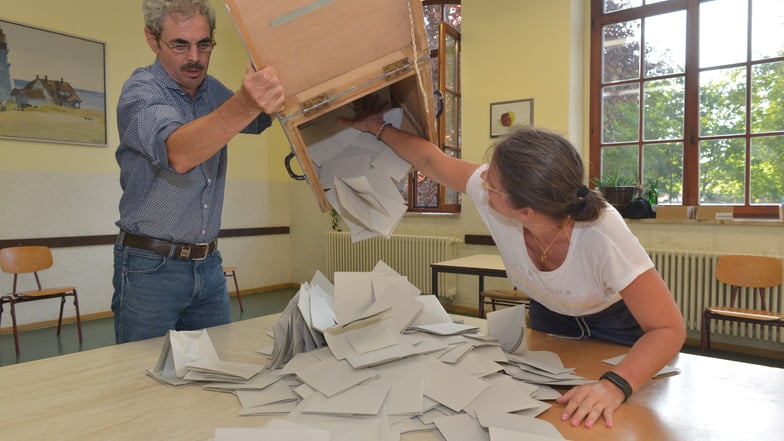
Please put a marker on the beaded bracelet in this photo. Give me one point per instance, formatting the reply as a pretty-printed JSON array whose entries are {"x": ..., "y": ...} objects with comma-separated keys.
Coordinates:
[{"x": 381, "y": 130}]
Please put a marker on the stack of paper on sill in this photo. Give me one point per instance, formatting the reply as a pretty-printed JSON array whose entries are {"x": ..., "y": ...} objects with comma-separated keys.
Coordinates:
[
  {"x": 359, "y": 173},
  {"x": 354, "y": 349}
]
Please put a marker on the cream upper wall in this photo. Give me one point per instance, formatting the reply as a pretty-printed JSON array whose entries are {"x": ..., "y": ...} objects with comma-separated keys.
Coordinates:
[{"x": 119, "y": 24}]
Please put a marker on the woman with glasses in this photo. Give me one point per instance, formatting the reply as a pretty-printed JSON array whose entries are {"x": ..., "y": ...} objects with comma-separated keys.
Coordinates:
[
  {"x": 572, "y": 253},
  {"x": 174, "y": 122}
]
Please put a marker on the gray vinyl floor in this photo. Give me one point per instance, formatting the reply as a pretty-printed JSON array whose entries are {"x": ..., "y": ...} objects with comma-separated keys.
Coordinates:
[{"x": 43, "y": 343}]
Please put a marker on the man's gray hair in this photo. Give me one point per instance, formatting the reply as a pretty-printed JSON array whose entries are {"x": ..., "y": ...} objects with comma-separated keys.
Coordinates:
[{"x": 155, "y": 11}]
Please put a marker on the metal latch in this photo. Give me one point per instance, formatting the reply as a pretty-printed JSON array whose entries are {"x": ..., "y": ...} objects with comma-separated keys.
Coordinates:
[
  {"x": 397, "y": 68},
  {"x": 317, "y": 102}
]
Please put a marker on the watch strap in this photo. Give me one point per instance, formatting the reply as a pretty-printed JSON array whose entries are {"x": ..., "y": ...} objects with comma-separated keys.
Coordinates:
[{"x": 619, "y": 382}]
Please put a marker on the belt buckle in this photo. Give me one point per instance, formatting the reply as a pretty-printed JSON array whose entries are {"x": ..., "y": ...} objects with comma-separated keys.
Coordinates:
[{"x": 191, "y": 251}]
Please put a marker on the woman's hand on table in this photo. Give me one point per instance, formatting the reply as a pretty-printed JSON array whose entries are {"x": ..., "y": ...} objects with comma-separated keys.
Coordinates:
[{"x": 588, "y": 402}]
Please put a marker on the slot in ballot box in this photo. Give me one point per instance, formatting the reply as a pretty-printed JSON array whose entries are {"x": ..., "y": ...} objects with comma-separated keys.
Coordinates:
[{"x": 330, "y": 53}]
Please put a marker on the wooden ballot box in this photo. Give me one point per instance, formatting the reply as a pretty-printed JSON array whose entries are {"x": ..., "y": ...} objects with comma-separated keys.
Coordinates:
[{"x": 330, "y": 53}]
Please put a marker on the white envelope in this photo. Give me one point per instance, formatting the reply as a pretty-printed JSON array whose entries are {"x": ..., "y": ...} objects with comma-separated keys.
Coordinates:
[
  {"x": 179, "y": 349},
  {"x": 508, "y": 326}
]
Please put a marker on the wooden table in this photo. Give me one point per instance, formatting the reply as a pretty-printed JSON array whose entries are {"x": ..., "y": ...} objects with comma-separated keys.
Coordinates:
[
  {"x": 480, "y": 265},
  {"x": 104, "y": 394}
]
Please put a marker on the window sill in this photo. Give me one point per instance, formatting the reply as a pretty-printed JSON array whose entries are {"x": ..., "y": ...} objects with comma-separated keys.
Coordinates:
[{"x": 737, "y": 221}]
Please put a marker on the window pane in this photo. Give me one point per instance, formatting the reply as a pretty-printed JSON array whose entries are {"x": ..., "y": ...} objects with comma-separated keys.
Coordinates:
[
  {"x": 433, "y": 16},
  {"x": 451, "y": 116},
  {"x": 451, "y": 60},
  {"x": 663, "y": 106},
  {"x": 723, "y": 32},
  {"x": 722, "y": 171},
  {"x": 621, "y": 51},
  {"x": 767, "y": 97},
  {"x": 620, "y": 113},
  {"x": 767, "y": 163},
  {"x": 767, "y": 29},
  {"x": 665, "y": 44},
  {"x": 617, "y": 5},
  {"x": 620, "y": 162},
  {"x": 663, "y": 163},
  {"x": 434, "y": 71},
  {"x": 453, "y": 15},
  {"x": 402, "y": 187},
  {"x": 426, "y": 192},
  {"x": 452, "y": 197},
  {"x": 723, "y": 102}
]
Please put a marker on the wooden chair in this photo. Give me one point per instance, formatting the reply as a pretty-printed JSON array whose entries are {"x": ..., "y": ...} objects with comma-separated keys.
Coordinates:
[
  {"x": 32, "y": 259},
  {"x": 502, "y": 297},
  {"x": 231, "y": 271},
  {"x": 740, "y": 271}
]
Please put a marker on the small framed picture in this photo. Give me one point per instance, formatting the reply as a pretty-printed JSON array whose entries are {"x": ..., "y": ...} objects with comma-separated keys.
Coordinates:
[{"x": 505, "y": 116}]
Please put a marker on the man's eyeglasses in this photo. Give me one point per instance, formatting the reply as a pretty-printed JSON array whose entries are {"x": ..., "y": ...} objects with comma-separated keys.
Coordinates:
[
  {"x": 486, "y": 184},
  {"x": 183, "y": 48}
]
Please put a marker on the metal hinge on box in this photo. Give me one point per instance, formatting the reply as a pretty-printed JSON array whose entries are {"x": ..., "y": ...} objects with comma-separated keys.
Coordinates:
[
  {"x": 317, "y": 102},
  {"x": 322, "y": 100},
  {"x": 395, "y": 69}
]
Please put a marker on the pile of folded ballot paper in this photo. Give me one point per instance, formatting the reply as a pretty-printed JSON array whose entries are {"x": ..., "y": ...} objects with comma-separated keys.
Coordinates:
[{"x": 370, "y": 358}]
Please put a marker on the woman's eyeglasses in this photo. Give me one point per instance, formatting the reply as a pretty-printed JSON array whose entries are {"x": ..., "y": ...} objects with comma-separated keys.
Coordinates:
[{"x": 486, "y": 184}]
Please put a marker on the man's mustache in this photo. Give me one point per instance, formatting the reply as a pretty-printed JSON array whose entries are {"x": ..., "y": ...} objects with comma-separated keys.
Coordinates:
[{"x": 192, "y": 66}]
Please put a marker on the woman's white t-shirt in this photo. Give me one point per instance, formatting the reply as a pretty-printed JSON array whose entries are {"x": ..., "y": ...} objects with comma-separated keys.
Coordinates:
[{"x": 604, "y": 257}]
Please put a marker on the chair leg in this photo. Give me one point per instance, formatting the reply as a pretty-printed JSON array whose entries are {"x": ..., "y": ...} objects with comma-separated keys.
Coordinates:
[
  {"x": 481, "y": 306},
  {"x": 705, "y": 333},
  {"x": 78, "y": 317},
  {"x": 16, "y": 331},
  {"x": 60, "y": 318},
  {"x": 233, "y": 275}
]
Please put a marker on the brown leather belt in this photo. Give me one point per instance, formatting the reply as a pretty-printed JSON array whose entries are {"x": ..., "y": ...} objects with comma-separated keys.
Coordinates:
[{"x": 186, "y": 251}]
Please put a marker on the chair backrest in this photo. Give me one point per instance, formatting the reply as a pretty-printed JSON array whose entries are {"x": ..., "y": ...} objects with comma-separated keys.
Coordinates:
[
  {"x": 749, "y": 271},
  {"x": 27, "y": 259}
]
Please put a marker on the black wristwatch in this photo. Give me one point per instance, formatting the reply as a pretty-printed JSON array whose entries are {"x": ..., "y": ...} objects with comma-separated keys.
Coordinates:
[{"x": 618, "y": 381}]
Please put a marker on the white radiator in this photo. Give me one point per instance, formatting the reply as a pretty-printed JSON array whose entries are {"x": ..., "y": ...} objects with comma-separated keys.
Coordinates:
[
  {"x": 691, "y": 277},
  {"x": 409, "y": 255}
]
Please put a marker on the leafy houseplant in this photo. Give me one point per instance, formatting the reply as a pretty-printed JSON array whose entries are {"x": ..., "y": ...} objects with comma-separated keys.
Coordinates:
[
  {"x": 618, "y": 190},
  {"x": 650, "y": 191}
]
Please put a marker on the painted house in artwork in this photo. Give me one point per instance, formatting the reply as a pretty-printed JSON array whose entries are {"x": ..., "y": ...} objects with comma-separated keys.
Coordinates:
[
  {"x": 45, "y": 91},
  {"x": 36, "y": 92}
]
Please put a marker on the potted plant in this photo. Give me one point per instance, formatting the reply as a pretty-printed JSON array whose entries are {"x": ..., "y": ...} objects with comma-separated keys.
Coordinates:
[
  {"x": 617, "y": 189},
  {"x": 650, "y": 191}
]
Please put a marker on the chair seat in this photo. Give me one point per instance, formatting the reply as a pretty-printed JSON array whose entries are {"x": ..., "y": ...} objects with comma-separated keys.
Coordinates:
[
  {"x": 510, "y": 295},
  {"x": 502, "y": 297},
  {"x": 750, "y": 314},
  {"x": 44, "y": 292}
]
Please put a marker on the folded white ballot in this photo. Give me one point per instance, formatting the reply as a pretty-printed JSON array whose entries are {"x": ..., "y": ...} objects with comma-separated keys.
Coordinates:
[
  {"x": 508, "y": 326},
  {"x": 181, "y": 348}
]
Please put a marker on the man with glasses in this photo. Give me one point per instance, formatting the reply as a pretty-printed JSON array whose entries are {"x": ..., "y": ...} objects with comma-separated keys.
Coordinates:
[{"x": 174, "y": 122}]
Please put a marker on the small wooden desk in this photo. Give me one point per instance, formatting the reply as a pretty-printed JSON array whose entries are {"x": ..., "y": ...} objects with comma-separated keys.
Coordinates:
[
  {"x": 104, "y": 394},
  {"x": 480, "y": 265}
]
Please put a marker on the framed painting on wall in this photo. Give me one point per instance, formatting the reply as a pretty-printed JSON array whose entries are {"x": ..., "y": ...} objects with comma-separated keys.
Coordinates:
[
  {"x": 505, "y": 116},
  {"x": 52, "y": 86}
]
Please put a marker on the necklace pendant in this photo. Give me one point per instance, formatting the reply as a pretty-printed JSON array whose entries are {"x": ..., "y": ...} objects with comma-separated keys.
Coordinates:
[{"x": 543, "y": 258}]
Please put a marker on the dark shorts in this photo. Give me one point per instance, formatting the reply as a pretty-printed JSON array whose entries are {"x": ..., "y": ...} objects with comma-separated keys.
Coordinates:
[{"x": 614, "y": 324}]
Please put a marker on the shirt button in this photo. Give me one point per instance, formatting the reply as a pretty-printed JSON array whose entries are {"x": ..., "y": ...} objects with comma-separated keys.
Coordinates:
[
  {"x": 206, "y": 206},
  {"x": 203, "y": 232}
]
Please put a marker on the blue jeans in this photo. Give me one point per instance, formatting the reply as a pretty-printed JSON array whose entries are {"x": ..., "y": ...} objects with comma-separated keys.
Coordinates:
[
  {"x": 615, "y": 324},
  {"x": 154, "y": 293}
]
